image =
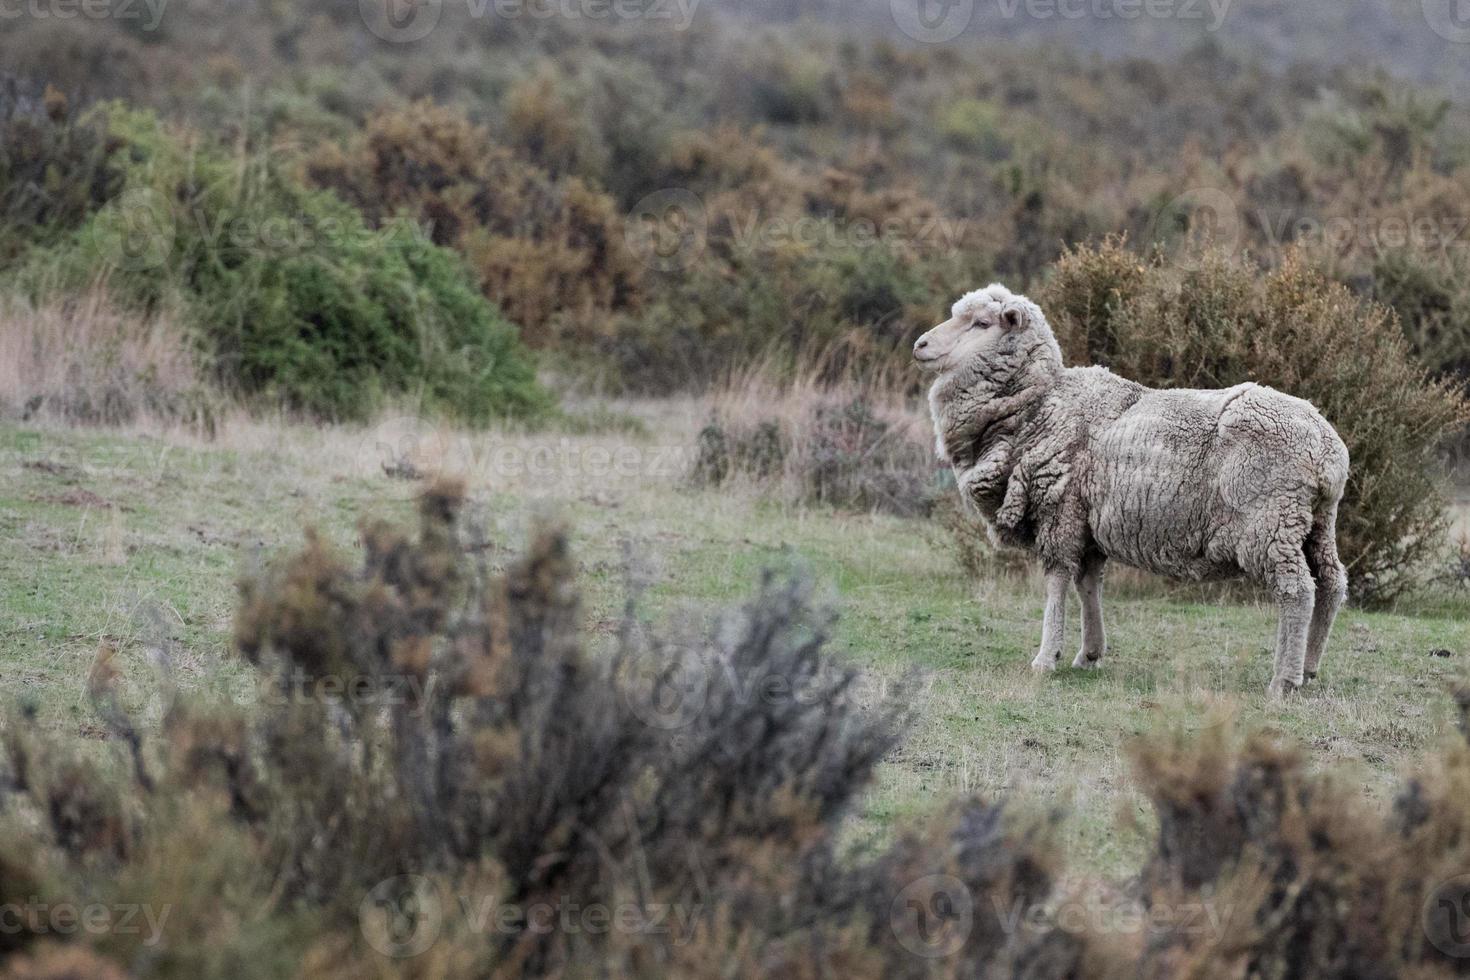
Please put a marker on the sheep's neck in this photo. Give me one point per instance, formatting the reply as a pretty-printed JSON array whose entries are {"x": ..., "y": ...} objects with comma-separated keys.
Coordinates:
[{"x": 979, "y": 417}]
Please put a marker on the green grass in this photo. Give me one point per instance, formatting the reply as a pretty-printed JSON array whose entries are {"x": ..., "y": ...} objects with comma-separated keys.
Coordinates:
[{"x": 107, "y": 536}]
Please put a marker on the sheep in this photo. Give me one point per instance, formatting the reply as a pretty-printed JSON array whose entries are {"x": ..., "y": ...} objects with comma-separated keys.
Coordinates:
[{"x": 1079, "y": 466}]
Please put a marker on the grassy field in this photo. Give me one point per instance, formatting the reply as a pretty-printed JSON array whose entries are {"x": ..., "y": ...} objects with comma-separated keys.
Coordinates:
[{"x": 127, "y": 538}]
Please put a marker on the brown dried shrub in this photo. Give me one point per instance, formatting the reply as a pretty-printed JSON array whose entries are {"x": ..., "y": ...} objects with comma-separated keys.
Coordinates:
[{"x": 551, "y": 251}]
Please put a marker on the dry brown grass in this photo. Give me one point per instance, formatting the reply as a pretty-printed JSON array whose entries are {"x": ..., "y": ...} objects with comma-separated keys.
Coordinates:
[
  {"x": 85, "y": 361},
  {"x": 854, "y": 442}
]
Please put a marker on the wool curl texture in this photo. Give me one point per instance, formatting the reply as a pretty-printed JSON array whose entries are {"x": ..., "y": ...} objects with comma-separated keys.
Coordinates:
[{"x": 1079, "y": 466}]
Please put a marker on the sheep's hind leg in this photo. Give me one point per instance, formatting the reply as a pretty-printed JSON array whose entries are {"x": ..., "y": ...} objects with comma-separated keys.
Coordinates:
[
  {"x": 1089, "y": 589},
  {"x": 1295, "y": 596},
  {"x": 1331, "y": 578},
  {"x": 1055, "y": 623}
]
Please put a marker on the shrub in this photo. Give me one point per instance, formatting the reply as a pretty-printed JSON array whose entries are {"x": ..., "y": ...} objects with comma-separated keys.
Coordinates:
[
  {"x": 1223, "y": 323},
  {"x": 54, "y": 170},
  {"x": 973, "y": 126},
  {"x": 1305, "y": 879},
  {"x": 500, "y": 761},
  {"x": 850, "y": 307},
  {"x": 550, "y": 252},
  {"x": 793, "y": 88},
  {"x": 549, "y": 129},
  {"x": 1433, "y": 304},
  {"x": 436, "y": 760},
  {"x": 299, "y": 303}
]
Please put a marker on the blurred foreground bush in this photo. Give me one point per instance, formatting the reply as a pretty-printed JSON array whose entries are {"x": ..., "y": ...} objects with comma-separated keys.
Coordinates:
[
  {"x": 480, "y": 754},
  {"x": 438, "y": 780},
  {"x": 1222, "y": 322}
]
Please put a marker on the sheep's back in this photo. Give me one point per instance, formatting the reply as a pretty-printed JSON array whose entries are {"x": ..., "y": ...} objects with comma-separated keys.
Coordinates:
[{"x": 1175, "y": 481}]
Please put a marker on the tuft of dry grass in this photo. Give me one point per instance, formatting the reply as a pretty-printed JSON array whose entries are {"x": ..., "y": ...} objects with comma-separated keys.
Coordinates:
[
  {"x": 862, "y": 443},
  {"x": 85, "y": 361}
]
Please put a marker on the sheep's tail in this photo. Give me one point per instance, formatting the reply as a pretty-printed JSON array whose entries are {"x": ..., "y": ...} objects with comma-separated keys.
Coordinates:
[
  {"x": 1332, "y": 473},
  {"x": 1321, "y": 542}
]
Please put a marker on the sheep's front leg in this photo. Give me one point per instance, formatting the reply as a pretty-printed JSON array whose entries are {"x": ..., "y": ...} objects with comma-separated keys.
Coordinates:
[
  {"x": 980, "y": 480},
  {"x": 1013, "y": 508},
  {"x": 1055, "y": 623}
]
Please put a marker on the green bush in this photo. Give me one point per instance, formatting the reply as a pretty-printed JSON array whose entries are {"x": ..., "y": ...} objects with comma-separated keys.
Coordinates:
[
  {"x": 298, "y": 301},
  {"x": 1432, "y": 300},
  {"x": 973, "y": 126},
  {"x": 1223, "y": 323},
  {"x": 827, "y": 300}
]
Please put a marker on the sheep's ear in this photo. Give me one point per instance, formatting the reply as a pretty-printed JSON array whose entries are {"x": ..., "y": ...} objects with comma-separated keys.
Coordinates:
[{"x": 1013, "y": 316}]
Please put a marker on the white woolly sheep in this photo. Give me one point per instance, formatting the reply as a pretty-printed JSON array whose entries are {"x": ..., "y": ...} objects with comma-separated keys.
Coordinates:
[{"x": 1078, "y": 466}]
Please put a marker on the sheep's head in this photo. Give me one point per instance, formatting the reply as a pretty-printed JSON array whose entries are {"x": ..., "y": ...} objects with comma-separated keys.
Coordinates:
[{"x": 990, "y": 325}]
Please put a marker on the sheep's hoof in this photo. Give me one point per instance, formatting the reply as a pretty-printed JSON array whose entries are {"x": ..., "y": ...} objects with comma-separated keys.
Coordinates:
[
  {"x": 1279, "y": 688},
  {"x": 1045, "y": 662},
  {"x": 1084, "y": 661},
  {"x": 1309, "y": 675}
]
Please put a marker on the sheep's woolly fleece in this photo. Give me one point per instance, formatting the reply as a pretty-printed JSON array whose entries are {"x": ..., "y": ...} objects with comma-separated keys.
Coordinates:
[{"x": 1078, "y": 465}]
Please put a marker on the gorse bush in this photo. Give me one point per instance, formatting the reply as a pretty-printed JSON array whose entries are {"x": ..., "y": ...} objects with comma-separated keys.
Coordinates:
[
  {"x": 439, "y": 779},
  {"x": 848, "y": 306},
  {"x": 1222, "y": 323},
  {"x": 1305, "y": 878},
  {"x": 550, "y": 252},
  {"x": 298, "y": 302}
]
